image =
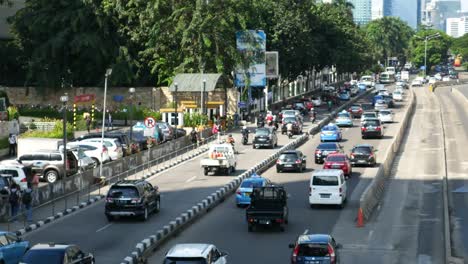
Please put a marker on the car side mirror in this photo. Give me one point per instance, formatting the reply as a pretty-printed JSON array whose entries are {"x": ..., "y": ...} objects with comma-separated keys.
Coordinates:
[
  {"x": 304, "y": 157},
  {"x": 156, "y": 188},
  {"x": 291, "y": 245}
]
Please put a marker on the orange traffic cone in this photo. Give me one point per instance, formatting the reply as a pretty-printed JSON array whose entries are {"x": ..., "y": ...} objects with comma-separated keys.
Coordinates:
[{"x": 360, "y": 218}]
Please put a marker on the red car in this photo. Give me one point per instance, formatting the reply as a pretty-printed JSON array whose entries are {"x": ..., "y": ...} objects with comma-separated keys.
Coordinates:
[
  {"x": 355, "y": 111},
  {"x": 338, "y": 161}
]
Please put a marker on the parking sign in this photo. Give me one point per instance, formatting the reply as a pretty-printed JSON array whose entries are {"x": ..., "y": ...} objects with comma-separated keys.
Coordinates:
[{"x": 150, "y": 122}]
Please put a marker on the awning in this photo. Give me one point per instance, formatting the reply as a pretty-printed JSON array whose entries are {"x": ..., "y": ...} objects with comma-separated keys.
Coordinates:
[{"x": 193, "y": 82}]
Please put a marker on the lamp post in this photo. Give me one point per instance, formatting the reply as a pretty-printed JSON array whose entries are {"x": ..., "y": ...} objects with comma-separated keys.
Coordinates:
[
  {"x": 152, "y": 97},
  {"x": 64, "y": 100},
  {"x": 106, "y": 76},
  {"x": 426, "y": 38},
  {"x": 202, "y": 103},
  {"x": 131, "y": 90},
  {"x": 176, "y": 86}
]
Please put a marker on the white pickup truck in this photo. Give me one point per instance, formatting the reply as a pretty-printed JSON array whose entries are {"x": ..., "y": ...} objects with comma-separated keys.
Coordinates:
[{"x": 221, "y": 159}]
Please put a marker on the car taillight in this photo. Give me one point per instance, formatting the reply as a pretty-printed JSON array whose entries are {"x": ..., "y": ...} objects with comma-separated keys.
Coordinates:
[
  {"x": 104, "y": 149},
  {"x": 278, "y": 161},
  {"x": 294, "y": 255},
  {"x": 238, "y": 192},
  {"x": 378, "y": 128},
  {"x": 352, "y": 156},
  {"x": 23, "y": 180},
  {"x": 371, "y": 155},
  {"x": 332, "y": 255},
  {"x": 341, "y": 189},
  {"x": 279, "y": 221},
  {"x": 251, "y": 220},
  {"x": 298, "y": 161},
  {"x": 363, "y": 129},
  {"x": 318, "y": 151}
]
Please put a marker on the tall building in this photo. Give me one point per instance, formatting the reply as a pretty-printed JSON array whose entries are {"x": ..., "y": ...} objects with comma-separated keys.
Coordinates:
[
  {"x": 406, "y": 11},
  {"x": 436, "y": 12},
  {"x": 362, "y": 11},
  {"x": 457, "y": 27}
]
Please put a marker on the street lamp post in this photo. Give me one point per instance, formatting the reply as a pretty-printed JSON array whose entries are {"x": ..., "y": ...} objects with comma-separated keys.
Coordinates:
[
  {"x": 427, "y": 38},
  {"x": 131, "y": 90},
  {"x": 202, "y": 103},
  {"x": 106, "y": 76},
  {"x": 176, "y": 86},
  {"x": 64, "y": 100},
  {"x": 152, "y": 97}
]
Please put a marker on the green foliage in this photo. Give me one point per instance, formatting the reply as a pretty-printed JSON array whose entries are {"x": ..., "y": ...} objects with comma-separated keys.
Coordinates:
[
  {"x": 57, "y": 132},
  {"x": 12, "y": 112},
  {"x": 195, "y": 120},
  {"x": 32, "y": 126},
  {"x": 389, "y": 37},
  {"x": 437, "y": 48},
  {"x": 460, "y": 46},
  {"x": 4, "y": 143},
  {"x": 12, "y": 64},
  {"x": 465, "y": 66}
]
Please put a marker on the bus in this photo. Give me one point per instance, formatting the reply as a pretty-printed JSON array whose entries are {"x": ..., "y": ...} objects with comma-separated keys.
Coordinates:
[{"x": 387, "y": 77}]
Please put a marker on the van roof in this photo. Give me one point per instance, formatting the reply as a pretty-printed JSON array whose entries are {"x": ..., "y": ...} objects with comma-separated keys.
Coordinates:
[{"x": 331, "y": 172}]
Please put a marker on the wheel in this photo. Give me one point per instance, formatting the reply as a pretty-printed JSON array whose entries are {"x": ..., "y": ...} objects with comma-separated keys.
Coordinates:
[
  {"x": 158, "y": 205},
  {"x": 253, "y": 146},
  {"x": 363, "y": 137},
  {"x": 250, "y": 228},
  {"x": 51, "y": 176},
  {"x": 282, "y": 228},
  {"x": 278, "y": 170},
  {"x": 96, "y": 161},
  {"x": 205, "y": 171},
  {"x": 342, "y": 205},
  {"x": 233, "y": 168},
  {"x": 311, "y": 206},
  {"x": 144, "y": 217},
  {"x": 110, "y": 218}
]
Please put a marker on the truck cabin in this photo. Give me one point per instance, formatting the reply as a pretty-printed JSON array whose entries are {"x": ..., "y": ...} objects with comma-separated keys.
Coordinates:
[{"x": 221, "y": 151}]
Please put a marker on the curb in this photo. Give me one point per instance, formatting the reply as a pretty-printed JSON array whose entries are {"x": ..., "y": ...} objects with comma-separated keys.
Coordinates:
[
  {"x": 147, "y": 246},
  {"x": 373, "y": 193},
  {"x": 59, "y": 215}
]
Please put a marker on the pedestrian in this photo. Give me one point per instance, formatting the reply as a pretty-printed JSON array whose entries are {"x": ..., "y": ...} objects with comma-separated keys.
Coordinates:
[
  {"x": 14, "y": 200},
  {"x": 12, "y": 141},
  {"x": 215, "y": 129},
  {"x": 26, "y": 199},
  {"x": 109, "y": 121},
  {"x": 88, "y": 123},
  {"x": 329, "y": 105},
  {"x": 194, "y": 136}
]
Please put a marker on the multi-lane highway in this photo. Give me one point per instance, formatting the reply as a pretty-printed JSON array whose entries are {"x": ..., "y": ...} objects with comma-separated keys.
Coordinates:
[
  {"x": 226, "y": 226},
  {"x": 454, "y": 110}
]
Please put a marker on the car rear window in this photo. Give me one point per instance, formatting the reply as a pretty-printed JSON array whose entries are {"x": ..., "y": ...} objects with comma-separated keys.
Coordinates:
[
  {"x": 384, "y": 112},
  {"x": 289, "y": 120},
  {"x": 38, "y": 256},
  {"x": 343, "y": 115},
  {"x": 288, "y": 156},
  {"x": 262, "y": 132},
  {"x": 369, "y": 115},
  {"x": 355, "y": 107},
  {"x": 335, "y": 158},
  {"x": 185, "y": 261},
  {"x": 329, "y": 128},
  {"x": 371, "y": 123},
  {"x": 327, "y": 146},
  {"x": 362, "y": 150},
  {"x": 251, "y": 184},
  {"x": 8, "y": 173},
  {"x": 313, "y": 250},
  {"x": 123, "y": 192},
  {"x": 325, "y": 181}
]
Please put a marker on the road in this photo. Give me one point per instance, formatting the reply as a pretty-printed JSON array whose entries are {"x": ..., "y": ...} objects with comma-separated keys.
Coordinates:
[
  {"x": 180, "y": 187},
  {"x": 226, "y": 227},
  {"x": 455, "y": 119}
]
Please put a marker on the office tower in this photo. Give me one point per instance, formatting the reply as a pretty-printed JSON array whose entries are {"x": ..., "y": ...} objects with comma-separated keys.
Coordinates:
[{"x": 362, "y": 11}]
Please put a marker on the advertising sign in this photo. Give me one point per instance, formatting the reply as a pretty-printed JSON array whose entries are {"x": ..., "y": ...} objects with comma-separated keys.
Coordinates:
[
  {"x": 272, "y": 67},
  {"x": 251, "y": 45},
  {"x": 84, "y": 98}
]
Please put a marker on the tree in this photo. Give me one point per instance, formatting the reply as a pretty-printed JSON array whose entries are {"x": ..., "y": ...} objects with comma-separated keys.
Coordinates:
[
  {"x": 460, "y": 46},
  {"x": 390, "y": 37},
  {"x": 437, "y": 48},
  {"x": 71, "y": 40}
]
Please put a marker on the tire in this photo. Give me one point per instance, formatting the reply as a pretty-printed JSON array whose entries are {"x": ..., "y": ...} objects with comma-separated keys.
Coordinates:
[
  {"x": 110, "y": 218},
  {"x": 282, "y": 228},
  {"x": 144, "y": 217},
  {"x": 205, "y": 171},
  {"x": 253, "y": 146},
  {"x": 96, "y": 161},
  {"x": 158, "y": 206},
  {"x": 51, "y": 176},
  {"x": 278, "y": 170}
]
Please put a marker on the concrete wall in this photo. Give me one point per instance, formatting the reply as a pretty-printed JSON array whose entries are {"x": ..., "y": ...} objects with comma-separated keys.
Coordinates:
[{"x": 27, "y": 145}]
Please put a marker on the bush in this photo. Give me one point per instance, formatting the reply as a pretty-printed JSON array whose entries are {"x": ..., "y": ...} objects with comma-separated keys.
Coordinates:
[
  {"x": 4, "y": 143},
  {"x": 57, "y": 132},
  {"x": 12, "y": 112},
  {"x": 32, "y": 126},
  {"x": 195, "y": 120}
]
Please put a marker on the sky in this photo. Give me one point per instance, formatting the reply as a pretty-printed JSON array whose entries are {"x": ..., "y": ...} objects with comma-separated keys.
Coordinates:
[{"x": 464, "y": 5}]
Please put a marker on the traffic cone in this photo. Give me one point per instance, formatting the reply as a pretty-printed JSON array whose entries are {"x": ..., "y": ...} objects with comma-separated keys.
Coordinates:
[{"x": 360, "y": 218}]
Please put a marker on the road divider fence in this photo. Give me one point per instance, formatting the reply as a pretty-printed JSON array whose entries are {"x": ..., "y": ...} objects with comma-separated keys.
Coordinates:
[{"x": 373, "y": 194}]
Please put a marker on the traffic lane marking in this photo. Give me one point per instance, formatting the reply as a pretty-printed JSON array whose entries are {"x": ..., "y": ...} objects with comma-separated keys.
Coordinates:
[{"x": 102, "y": 228}]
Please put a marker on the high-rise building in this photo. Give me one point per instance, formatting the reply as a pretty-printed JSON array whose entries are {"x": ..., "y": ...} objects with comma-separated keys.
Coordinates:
[
  {"x": 436, "y": 12},
  {"x": 457, "y": 27},
  {"x": 362, "y": 11}
]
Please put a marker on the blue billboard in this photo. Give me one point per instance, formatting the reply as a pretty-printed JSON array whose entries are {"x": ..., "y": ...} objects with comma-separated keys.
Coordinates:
[{"x": 251, "y": 44}]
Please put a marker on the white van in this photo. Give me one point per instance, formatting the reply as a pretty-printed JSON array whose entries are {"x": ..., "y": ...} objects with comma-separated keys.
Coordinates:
[{"x": 327, "y": 187}]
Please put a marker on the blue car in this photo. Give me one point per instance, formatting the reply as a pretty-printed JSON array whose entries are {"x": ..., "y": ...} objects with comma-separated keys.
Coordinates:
[
  {"x": 246, "y": 188},
  {"x": 12, "y": 248},
  {"x": 362, "y": 86},
  {"x": 315, "y": 248},
  {"x": 344, "y": 119},
  {"x": 330, "y": 132},
  {"x": 344, "y": 96}
]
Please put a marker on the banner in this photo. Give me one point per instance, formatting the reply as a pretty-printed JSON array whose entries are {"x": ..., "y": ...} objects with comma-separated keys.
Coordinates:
[
  {"x": 251, "y": 45},
  {"x": 272, "y": 67}
]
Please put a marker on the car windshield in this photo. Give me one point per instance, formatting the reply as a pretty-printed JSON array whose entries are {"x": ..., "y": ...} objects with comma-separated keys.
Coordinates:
[
  {"x": 355, "y": 107},
  {"x": 288, "y": 156},
  {"x": 326, "y": 146},
  {"x": 251, "y": 184},
  {"x": 313, "y": 250},
  {"x": 380, "y": 102},
  {"x": 397, "y": 92},
  {"x": 289, "y": 112},
  {"x": 8, "y": 173},
  {"x": 325, "y": 181},
  {"x": 369, "y": 115},
  {"x": 371, "y": 123},
  {"x": 336, "y": 158},
  {"x": 289, "y": 120},
  {"x": 343, "y": 115},
  {"x": 262, "y": 132},
  {"x": 123, "y": 192},
  {"x": 329, "y": 128},
  {"x": 185, "y": 261},
  {"x": 384, "y": 113},
  {"x": 362, "y": 150},
  {"x": 37, "y": 256}
]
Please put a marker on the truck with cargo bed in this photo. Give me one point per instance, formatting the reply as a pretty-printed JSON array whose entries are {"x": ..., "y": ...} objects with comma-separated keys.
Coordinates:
[
  {"x": 268, "y": 207},
  {"x": 221, "y": 159}
]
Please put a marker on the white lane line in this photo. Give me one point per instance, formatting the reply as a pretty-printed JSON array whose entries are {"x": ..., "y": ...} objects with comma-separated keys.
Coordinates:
[
  {"x": 191, "y": 179},
  {"x": 102, "y": 228}
]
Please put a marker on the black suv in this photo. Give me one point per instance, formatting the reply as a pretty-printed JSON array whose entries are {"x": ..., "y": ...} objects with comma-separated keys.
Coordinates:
[
  {"x": 265, "y": 137},
  {"x": 363, "y": 154},
  {"x": 57, "y": 254},
  {"x": 291, "y": 160},
  {"x": 132, "y": 198},
  {"x": 323, "y": 149}
]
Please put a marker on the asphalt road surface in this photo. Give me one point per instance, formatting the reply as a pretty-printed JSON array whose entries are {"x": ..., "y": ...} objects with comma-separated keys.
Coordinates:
[{"x": 226, "y": 226}]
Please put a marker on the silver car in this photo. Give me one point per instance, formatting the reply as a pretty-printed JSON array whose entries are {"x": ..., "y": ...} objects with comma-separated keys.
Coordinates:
[
  {"x": 167, "y": 130},
  {"x": 380, "y": 105}
]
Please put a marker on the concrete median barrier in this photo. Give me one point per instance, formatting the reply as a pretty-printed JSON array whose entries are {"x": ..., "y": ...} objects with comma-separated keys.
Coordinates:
[{"x": 373, "y": 194}]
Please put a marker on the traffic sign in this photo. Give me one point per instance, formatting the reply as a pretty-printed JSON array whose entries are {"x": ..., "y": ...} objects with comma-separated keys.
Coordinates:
[
  {"x": 150, "y": 122},
  {"x": 241, "y": 104},
  {"x": 148, "y": 132}
]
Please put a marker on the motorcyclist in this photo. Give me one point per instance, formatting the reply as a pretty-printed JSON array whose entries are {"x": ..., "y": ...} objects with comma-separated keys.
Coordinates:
[
  {"x": 269, "y": 119},
  {"x": 245, "y": 131},
  {"x": 289, "y": 128},
  {"x": 230, "y": 139}
]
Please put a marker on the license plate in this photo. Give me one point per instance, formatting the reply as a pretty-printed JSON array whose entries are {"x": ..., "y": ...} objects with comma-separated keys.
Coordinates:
[
  {"x": 361, "y": 161},
  {"x": 288, "y": 165},
  {"x": 312, "y": 262},
  {"x": 326, "y": 195},
  {"x": 264, "y": 222},
  {"x": 336, "y": 166}
]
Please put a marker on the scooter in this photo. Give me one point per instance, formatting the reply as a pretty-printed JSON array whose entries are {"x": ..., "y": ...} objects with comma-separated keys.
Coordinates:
[
  {"x": 290, "y": 134},
  {"x": 260, "y": 123},
  {"x": 245, "y": 138}
]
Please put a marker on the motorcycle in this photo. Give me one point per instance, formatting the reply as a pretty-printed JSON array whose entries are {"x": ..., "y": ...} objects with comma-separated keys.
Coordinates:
[
  {"x": 260, "y": 123},
  {"x": 290, "y": 134},
  {"x": 245, "y": 138},
  {"x": 313, "y": 115}
]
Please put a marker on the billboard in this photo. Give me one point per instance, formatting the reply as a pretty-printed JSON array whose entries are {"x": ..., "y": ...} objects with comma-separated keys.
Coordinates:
[
  {"x": 271, "y": 58},
  {"x": 251, "y": 45}
]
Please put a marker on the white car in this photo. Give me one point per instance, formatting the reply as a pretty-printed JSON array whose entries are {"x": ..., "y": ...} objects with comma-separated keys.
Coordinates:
[
  {"x": 316, "y": 101},
  {"x": 15, "y": 172},
  {"x": 368, "y": 81},
  {"x": 195, "y": 253},
  {"x": 92, "y": 150},
  {"x": 353, "y": 82},
  {"x": 380, "y": 105},
  {"x": 438, "y": 77},
  {"x": 416, "y": 82},
  {"x": 112, "y": 144},
  {"x": 397, "y": 96},
  {"x": 432, "y": 80},
  {"x": 446, "y": 79},
  {"x": 328, "y": 88},
  {"x": 367, "y": 115},
  {"x": 386, "y": 116},
  {"x": 400, "y": 89}
]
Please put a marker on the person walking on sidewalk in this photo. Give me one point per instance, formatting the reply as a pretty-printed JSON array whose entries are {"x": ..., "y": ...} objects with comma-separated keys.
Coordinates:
[
  {"x": 88, "y": 123},
  {"x": 14, "y": 199},
  {"x": 194, "y": 136},
  {"x": 12, "y": 141},
  {"x": 329, "y": 105},
  {"x": 26, "y": 200}
]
